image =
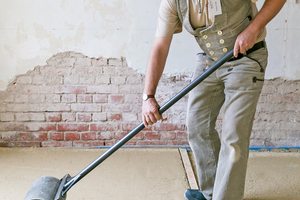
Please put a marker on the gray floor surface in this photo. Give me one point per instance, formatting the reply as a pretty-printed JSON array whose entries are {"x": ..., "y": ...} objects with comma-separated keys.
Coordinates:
[{"x": 148, "y": 174}]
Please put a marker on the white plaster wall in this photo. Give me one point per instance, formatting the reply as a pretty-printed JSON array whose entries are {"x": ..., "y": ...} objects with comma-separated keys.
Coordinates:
[{"x": 31, "y": 31}]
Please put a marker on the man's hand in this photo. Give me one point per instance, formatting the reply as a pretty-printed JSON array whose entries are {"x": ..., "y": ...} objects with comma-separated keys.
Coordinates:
[
  {"x": 244, "y": 42},
  {"x": 150, "y": 114},
  {"x": 247, "y": 38}
]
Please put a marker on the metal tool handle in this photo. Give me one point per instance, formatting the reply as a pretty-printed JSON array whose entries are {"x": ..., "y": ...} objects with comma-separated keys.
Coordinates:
[{"x": 140, "y": 127}]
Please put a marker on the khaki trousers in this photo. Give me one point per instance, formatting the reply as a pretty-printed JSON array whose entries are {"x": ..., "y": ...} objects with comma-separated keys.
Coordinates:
[{"x": 221, "y": 161}]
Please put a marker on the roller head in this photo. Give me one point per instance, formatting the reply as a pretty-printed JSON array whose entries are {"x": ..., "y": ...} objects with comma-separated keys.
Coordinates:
[{"x": 44, "y": 188}]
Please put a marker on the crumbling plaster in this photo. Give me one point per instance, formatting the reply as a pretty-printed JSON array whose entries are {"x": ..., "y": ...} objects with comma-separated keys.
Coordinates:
[{"x": 32, "y": 31}]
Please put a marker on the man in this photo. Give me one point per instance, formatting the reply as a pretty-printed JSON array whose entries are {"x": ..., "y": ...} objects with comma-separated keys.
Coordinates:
[{"x": 218, "y": 27}]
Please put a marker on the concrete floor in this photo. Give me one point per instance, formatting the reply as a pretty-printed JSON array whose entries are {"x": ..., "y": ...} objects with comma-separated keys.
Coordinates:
[
  {"x": 148, "y": 174},
  {"x": 271, "y": 175},
  {"x": 135, "y": 174}
]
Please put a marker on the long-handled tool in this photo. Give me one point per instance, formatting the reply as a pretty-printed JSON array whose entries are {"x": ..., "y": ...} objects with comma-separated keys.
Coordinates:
[{"x": 51, "y": 188}]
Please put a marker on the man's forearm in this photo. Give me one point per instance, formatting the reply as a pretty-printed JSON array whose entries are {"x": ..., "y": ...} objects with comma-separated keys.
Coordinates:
[
  {"x": 269, "y": 10},
  {"x": 156, "y": 63},
  {"x": 248, "y": 37}
]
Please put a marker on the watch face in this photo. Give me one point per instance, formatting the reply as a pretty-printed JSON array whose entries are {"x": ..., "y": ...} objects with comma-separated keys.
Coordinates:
[{"x": 145, "y": 97}]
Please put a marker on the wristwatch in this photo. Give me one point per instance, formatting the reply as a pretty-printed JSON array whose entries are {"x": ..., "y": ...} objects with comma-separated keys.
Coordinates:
[{"x": 146, "y": 97}]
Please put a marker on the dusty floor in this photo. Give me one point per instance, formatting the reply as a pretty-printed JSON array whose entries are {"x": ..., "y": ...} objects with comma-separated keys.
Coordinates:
[
  {"x": 271, "y": 176},
  {"x": 135, "y": 174},
  {"x": 148, "y": 174}
]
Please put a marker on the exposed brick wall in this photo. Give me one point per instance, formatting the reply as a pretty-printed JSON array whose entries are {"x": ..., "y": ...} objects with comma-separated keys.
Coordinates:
[{"x": 77, "y": 101}]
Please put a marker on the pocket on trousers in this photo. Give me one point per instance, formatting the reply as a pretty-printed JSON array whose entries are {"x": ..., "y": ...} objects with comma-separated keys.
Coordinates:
[{"x": 201, "y": 64}]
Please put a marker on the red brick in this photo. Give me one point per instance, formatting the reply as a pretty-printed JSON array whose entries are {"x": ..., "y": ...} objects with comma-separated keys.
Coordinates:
[
  {"x": 40, "y": 136},
  {"x": 72, "y": 127},
  {"x": 109, "y": 142},
  {"x": 105, "y": 136},
  {"x": 139, "y": 136},
  {"x": 25, "y": 136},
  {"x": 53, "y": 117},
  {"x": 25, "y": 144},
  {"x": 175, "y": 142},
  {"x": 152, "y": 135},
  {"x": 104, "y": 127},
  {"x": 88, "y": 136},
  {"x": 68, "y": 117},
  {"x": 57, "y": 144},
  {"x": 116, "y": 99},
  {"x": 97, "y": 98},
  {"x": 167, "y": 127},
  {"x": 112, "y": 127},
  {"x": 84, "y": 117},
  {"x": 72, "y": 136},
  {"x": 130, "y": 143},
  {"x": 130, "y": 127},
  {"x": 98, "y": 127},
  {"x": 9, "y": 136},
  {"x": 157, "y": 142},
  {"x": 170, "y": 135},
  {"x": 119, "y": 135},
  {"x": 88, "y": 143},
  {"x": 56, "y": 136},
  {"x": 71, "y": 89},
  {"x": 84, "y": 98},
  {"x": 40, "y": 127},
  {"x": 182, "y": 135},
  {"x": 68, "y": 98},
  {"x": 4, "y": 144},
  {"x": 103, "y": 89},
  {"x": 116, "y": 117}
]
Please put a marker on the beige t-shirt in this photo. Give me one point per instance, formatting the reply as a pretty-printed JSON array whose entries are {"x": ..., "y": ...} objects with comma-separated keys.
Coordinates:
[{"x": 169, "y": 23}]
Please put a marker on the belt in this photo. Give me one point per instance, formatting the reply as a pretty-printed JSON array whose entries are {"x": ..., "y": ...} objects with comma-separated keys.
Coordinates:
[{"x": 254, "y": 48}]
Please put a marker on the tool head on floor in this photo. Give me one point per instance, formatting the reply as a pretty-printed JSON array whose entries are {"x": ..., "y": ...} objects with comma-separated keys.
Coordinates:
[{"x": 47, "y": 188}]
